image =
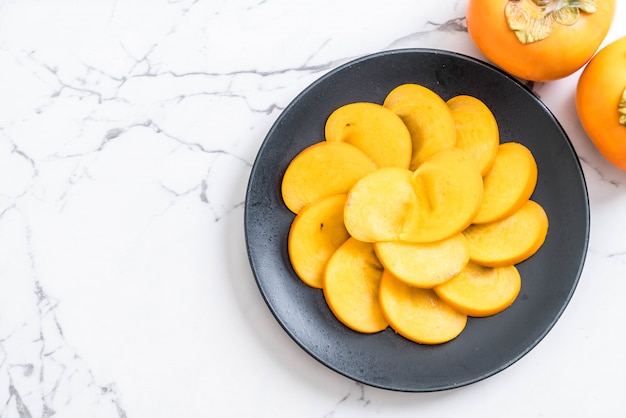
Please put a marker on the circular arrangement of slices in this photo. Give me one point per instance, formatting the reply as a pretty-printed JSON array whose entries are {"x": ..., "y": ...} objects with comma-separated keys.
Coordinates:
[{"x": 412, "y": 214}]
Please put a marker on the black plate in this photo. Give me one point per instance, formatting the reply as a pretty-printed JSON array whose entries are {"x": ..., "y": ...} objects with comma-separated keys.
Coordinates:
[{"x": 487, "y": 345}]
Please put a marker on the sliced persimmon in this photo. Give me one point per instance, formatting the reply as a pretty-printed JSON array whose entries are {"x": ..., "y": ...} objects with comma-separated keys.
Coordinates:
[
  {"x": 351, "y": 286},
  {"x": 436, "y": 201},
  {"x": 315, "y": 234},
  {"x": 427, "y": 117},
  {"x": 418, "y": 314},
  {"x": 509, "y": 184},
  {"x": 476, "y": 129},
  {"x": 481, "y": 291},
  {"x": 424, "y": 264},
  {"x": 510, "y": 240},
  {"x": 383, "y": 206},
  {"x": 453, "y": 189},
  {"x": 374, "y": 129},
  {"x": 323, "y": 169}
]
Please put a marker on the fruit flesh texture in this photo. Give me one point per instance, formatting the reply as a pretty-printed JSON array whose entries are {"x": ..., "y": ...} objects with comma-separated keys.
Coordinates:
[
  {"x": 427, "y": 117},
  {"x": 436, "y": 201},
  {"x": 315, "y": 234},
  {"x": 480, "y": 291},
  {"x": 509, "y": 184},
  {"x": 321, "y": 170},
  {"x": 477, "y": 130},
  {"x": 351, "y": 285},
  {"x": 373, "y": 129},
  {"x": 453, "y": 190},
  {"x": 510, "y": 240},
  {"x": 383, "y": 206},
  {"x": 418, "y": 314},
  {"x": 424, "y": 265}
]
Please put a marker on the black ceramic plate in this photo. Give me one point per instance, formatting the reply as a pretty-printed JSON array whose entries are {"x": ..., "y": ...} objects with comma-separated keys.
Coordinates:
[{"x": 487, "y": 345}]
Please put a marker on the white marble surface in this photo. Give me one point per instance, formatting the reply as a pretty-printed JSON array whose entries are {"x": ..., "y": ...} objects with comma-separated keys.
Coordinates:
[{"x": 127, "y": 134}]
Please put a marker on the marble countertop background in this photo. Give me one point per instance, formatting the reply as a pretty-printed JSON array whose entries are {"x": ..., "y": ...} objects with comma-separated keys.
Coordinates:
[{"x": 127, "y": 134}]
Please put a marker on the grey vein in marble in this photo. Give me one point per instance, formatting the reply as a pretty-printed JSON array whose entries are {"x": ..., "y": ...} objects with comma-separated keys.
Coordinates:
[{"x": 35, "y": 350}]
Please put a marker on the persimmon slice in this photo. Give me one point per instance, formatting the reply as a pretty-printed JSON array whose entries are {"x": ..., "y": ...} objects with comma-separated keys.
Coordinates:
[
  {"x": 509, "y": 184},
  {"x": 418, "y": 314},
  {"x": 435, "y": 202},
  {"x": 476, "y": 130},
  {"x": 351, "y": 286},
  {"x": 383, "y": 206},
  {"x": 510, "y": 240},
  {"x": 374, "y": 129},
  {"x": 480, "y": 291},
  {"x": 427, "y": 117},
  {"x": 453, "y": 190},
  {"x": 323, "y": 169},
  {"x": 424, "y": 264},
  {"x": 315, "y": 233}
]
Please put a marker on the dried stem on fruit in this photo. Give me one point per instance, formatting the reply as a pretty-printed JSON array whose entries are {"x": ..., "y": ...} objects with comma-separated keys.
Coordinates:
[{"x": 534, "y": 20}]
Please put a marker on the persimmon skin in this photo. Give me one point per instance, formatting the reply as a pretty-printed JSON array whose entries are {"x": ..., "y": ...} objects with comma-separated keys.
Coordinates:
[
  {"x": 559, "y": 55},
  {"x": 598, "y": 92}
]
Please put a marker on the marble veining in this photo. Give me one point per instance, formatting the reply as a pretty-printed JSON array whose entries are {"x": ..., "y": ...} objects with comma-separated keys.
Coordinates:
[
  {"x": 127, "y": 135},
  {"x": 42, "y": 372}
]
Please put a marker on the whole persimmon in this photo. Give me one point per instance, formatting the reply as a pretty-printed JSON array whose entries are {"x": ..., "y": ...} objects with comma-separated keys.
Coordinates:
[
  {"x": 539, "y": 40},
  {"x": 601, "y": 101}
]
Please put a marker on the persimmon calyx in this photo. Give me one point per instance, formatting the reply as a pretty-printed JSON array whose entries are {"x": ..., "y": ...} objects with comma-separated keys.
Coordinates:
[
  {"x": 534, "y": 20},
  {"x": 621, "y": 108}
]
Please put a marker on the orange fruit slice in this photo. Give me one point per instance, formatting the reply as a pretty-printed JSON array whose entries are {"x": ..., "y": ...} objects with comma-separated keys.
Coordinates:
[
  {"x": 427, "y": 117},
  {"x": 418, "y": 314},
  {"x": 509, "y": 184},
  {"x": 323, "y": 169},
  {"x": 510, "y": 240},
  {"x": 315, "y": 233},
  {"x": 453, "y": 190},
  {"x": 383, "y": 206},
  {"x": 351, "y": 284},
  {"x": 375, "y": 130},
  {"x": 476, "y": 130},
  {"x": 424, "y": 264},
  {"x": 481, "y": 291},
  {"x": 434, "y": 202}
]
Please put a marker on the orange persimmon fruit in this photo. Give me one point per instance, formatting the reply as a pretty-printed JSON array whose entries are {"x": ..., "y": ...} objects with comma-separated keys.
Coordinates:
[
  {"x": 315, "y": 234},
  {"x": 373, "y": 129},
  {"x": 427, "y": 117},
  {"x": 418, "y": 314},
  {"x": 476, "y": 130},
  {"x": 510, "y": 240},
  {"x": 601, "y": 101},
  {"x": 424, "y": 264},
  {"x": 453, "y": 190},
  {"x": 323, "y": 169},
  {"x": 383, "y": 206},
  {"x": 439, "y": 199},
  {"x": 509, "y": 184},
  {"x": 539, "y": 40},
  {"x": 480, "y": 291},
  {"x": 351, "y": 286}
]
